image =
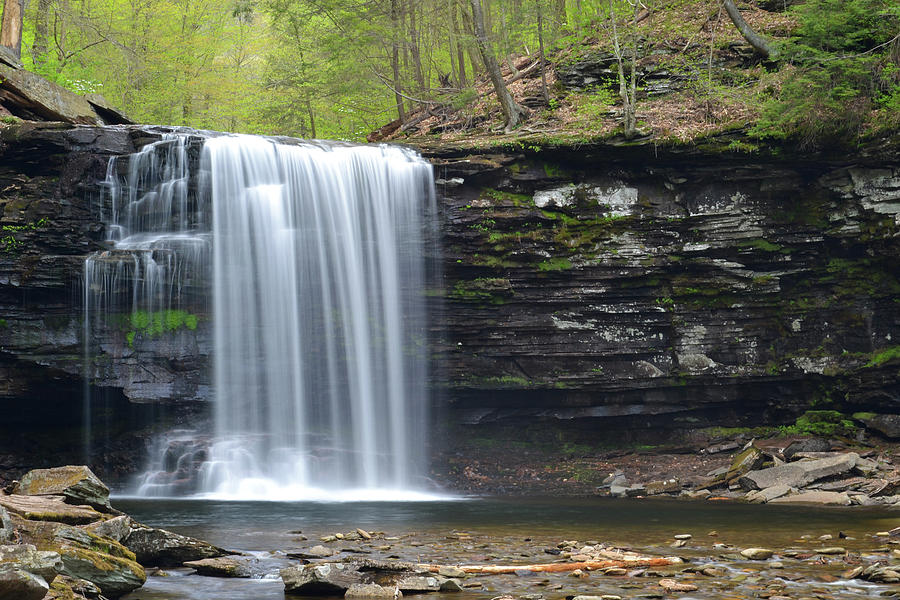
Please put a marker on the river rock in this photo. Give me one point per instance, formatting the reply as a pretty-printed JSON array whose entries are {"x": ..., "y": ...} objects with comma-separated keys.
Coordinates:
[
  {"x": 117, "y": 528},
  {"x": 670, "y": 585},
  {"x": 77, "y": 484},
  {"x": 451, "y": 571},
  {"x": 757, "y": 553},
  {"x": 220, "y": 567},
  {"x": 768, "y": 494},
  {"x": 321, "y": 579},
  {"x": 319, "y": 551},
  {"x": 161, "y": 548},
  {"x": 887, "y": 425},
  {"x": 830, "y": 550},
  {"x": 19, "y": 584},
  {"x": 816, "y": 497},
  {"x": 806, "y": 445},
  {"x": 69, "y": 588},
  {"x": 451, "y": 585},
  {"x": 373, "y": 590},
  {"x": 418, "y": 584},
  {"x": 798, "y": 474},
  {"x": 667, "y": 486}
]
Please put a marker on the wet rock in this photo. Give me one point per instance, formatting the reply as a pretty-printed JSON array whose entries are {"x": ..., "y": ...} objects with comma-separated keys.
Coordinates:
[
  {"x": 314, "y": 552},
  {"x": 451, "y": 571},
  {"x": 161, "y": 548},
  {"x": 7, "y": 530},
  {"x": 668, "y": 486},
  {"x": 19, "y": 584},
  {"x": 830, "y": 550},
  {"x": 321, "y": 579},
  {"x": 220, "y": 567},
  {"x": 451, "y": 585},
  {"x": 798, "y": 474},
  {"x": 372, "y": 590},
  {"x": 364, "y": 534},
  {"x": 757, "y": 553},
  {"x": 806, "y": 445},
  {"x": 879, "y": 573},
  {"x": 768, "y": 494},
  {"x": 886, "y": 425},
  {"x": 815, "y": 497},
  {"x": 77, "y": 484},
  {"x": 114, "y": 575},
  {"x": 69, "y": 588},
  {"x": 670, "y": 586},
  {"x": 418, "y": 584}
]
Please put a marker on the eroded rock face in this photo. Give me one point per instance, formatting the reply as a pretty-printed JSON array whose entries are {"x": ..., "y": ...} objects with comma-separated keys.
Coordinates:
[{"x": 76, "y": 484}]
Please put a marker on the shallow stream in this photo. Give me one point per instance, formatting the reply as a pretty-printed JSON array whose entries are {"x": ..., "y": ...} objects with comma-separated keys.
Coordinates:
[{"x": 521, "y": 531}]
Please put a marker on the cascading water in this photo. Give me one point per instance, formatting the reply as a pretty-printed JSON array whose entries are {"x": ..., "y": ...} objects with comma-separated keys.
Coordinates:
[{"x": 320, "y": 332}]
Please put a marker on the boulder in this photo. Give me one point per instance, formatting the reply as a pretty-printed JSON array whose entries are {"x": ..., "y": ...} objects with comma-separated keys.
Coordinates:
[
  {"x": 67, "y": 588},
  {"x": 746, "y": 460},
  {"x": 372, "y": 590},
  {"x": 34, "y": 96},
  {"x": 220, "y": 567},
  {"x": 798, "y": 474},
  {"x": 815, "y": 497},
  {"x": 161, "y": 548},
  {"x": 19, "y": 584},
  {"x": 806, "y": 445},
  {"x": 319, "y": 551},
  {"x": 886, "y": 425},
  {"x": 321, "y": 579},
  {"x": 76, "y": 484},
  {"x": 117, "y": 528},
  {"x": 768, "y": 494},
  {"x": 667, "y": 486},
  {"x": 49, "y": 508},
  {"x": 44, "y": 564}
]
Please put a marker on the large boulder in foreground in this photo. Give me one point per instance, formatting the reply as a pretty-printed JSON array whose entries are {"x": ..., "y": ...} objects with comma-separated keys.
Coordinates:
[
  {"x": 19, "y": 584},
  {"x": 26, "y": 572},
  {"x": 161, "y": 548},
  {"x": 77, "y": 484}
]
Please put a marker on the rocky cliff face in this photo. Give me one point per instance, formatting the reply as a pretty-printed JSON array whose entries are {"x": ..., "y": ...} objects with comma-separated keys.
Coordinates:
[
  {"x": 601, "y": 292},
  {"x": 614, "y": 291}
]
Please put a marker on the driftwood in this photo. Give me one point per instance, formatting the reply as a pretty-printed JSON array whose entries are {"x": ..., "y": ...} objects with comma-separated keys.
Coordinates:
[{"x": 605, "y": 559}]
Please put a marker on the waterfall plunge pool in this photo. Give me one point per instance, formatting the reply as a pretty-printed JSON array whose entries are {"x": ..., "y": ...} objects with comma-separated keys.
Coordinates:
[{"x": 519, "y": 531}]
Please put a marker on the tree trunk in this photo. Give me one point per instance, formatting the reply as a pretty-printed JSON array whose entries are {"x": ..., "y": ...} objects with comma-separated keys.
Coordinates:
[
  {"x": 414, "y": 46},
  {"x": 11, "y": 27},
  {"x": 470, "y": 48},
  {"x": 460, "y": 50},
  {"x": 41, "y": 44},
  {"x": 628, "y": 120},
  {"x": 395, "y": 57},
  {"x": 511, "y": 110},
  {"x": 540, "y": 24},
  {"x": 312, "y": 118},
  {"x": 758, "y": 42}
]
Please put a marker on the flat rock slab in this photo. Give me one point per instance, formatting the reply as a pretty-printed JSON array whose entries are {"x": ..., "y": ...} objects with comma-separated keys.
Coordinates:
[
  {"x": 372, "y": 590},
  {"x": 161, "y": 548},
  {"x": 49, "y": 508},
  {"x": 321, "y": 579},
  {"x": 815, "y": 497},
  {"x": 799, "y": 474},
  {"x": 45, "y": 98},
  {"x": 220, "y": 567}
]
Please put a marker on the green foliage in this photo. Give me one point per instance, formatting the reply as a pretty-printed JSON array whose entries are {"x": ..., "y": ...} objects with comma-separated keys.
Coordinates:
[
  {"x": 883, "y": 356},
  {"x": 10, "y": 242},
  {"x": 842, "y": 66},
  {"x": 555, "y": 264},
  {"x": 822, "y": 423},
  {"x": 154, "y": 324}
]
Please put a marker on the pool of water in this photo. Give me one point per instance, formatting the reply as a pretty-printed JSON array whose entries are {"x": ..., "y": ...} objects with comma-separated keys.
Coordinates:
[{"x": 499, "y": 530}]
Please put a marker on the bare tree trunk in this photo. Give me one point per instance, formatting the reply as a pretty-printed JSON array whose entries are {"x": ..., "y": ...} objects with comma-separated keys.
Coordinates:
[
  {"x": 511, "y": 110},
  {"x": 414, "y": 46},
  {"x": 628, "y": 120},
  {"x": 11, "y": 28},
  {"x": 470, "y": 48},
  {"x": 41, "y": 44},
  {"x": 540, "y": 24},
  {"x": 312, "y": 118},
  {"x": 460, "y": 51},
  {"x": 758, "y": 42},
  {"x": 395, "y": 57}
]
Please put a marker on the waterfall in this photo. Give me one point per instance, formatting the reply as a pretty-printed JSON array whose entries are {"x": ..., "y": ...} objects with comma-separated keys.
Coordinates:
[{"x": 316, "y": 257}]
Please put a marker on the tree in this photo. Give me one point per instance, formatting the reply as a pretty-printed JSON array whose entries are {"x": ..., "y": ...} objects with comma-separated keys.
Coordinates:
[
  {"x": 511, "y": 111},
  {"x": 11, "y": 28},
  {"x": 758, "y": 42}
]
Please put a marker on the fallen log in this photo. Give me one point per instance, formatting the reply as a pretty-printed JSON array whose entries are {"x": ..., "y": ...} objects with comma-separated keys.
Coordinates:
[{"x": 611, "y": 559}]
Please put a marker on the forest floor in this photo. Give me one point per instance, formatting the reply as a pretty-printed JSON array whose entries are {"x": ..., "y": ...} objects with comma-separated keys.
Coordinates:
[{"x": 697, "y": 77}]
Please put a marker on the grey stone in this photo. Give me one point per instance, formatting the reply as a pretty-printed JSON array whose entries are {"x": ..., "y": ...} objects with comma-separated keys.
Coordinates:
[
  {"x": 19, "y": 584},
  {"x": 77, "y": 484},
  {"x": 798, "y": 474},
  {"x": 886, "y": 425},
  {"x": 372, "y": 590},
  {"x": 43, "y": 563},
  {"x": 161, "y": 548},
  {"x": 117, "y": 528},
  {"x": 320, "y": 579},
  {"x": 46, "y": 99},
  {"x": 768, "y": 494},
  {"x": 815, "y": 497},
  {"x": 745, "y": 461},
  {"x": 668, "y": 486},
  {"x": 451, "y": 585},
  {"x": 806, "y": 445},
  {"x": 319, "y": 551},
  {"x": 419, "y": 584},
  {"x": 7, "y": 529},
  {"x": 451, "y": 571},
  {"x": 757, "y": 553},
  {"x": 220, "y": 567}
]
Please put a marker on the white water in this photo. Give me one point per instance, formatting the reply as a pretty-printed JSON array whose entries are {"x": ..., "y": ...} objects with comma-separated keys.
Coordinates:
[{"x": 320, "y": 332}]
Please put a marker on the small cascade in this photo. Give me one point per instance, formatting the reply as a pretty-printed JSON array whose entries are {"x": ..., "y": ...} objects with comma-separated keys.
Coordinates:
[{"x": 314, "y": 258}]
